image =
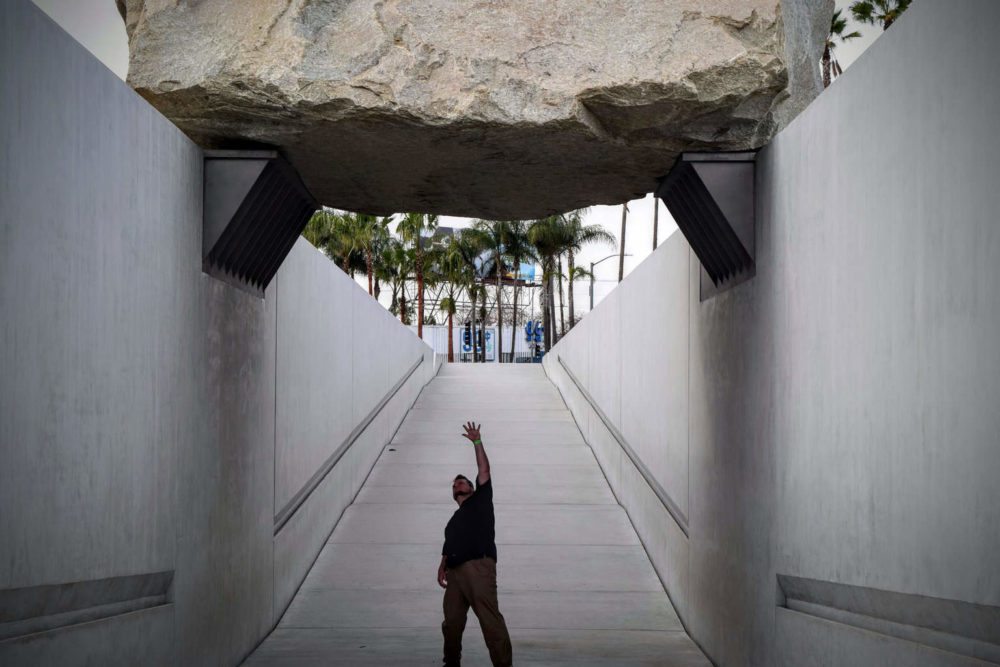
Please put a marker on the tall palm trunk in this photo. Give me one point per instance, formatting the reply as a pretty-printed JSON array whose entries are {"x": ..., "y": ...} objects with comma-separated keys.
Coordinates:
[
  {"x": 621, "y": 253},
  {"x": 482, "y": 327},
  {"x": 569, "y": 268},
  {"x": 513, "y": 314},
  {"x": 378, "y": 289},
  {"x": 402, "y": 304},
  {"x": 552, "y": 312},
  {"x": 562, "y": 298},
  {"x": 546, "y": 314},
  {"x": 420, "y": 291},
  {"x": 499, "y": 345},
  {"x": 368, "y": 263},
  {"x": 656, "y": 221},
  {"x": 472, "y": 300},
  {"x": 826, "y": 66},
  {"x": 451, "y": 334}
]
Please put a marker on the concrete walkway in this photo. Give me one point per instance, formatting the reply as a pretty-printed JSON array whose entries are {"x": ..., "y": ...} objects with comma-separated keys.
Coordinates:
[{"x": 575, "y": 584}]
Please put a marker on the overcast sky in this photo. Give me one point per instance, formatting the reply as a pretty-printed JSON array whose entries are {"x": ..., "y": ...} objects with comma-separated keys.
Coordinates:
[{"x": 97, "y": 25}]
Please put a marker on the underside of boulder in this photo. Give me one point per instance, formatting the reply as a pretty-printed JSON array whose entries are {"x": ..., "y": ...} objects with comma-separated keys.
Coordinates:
[{"x": 494, "y": 109}]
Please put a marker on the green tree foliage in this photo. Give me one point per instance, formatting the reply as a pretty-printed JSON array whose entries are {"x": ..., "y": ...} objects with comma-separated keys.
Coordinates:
[
  {"x": 489, "y": 235},
  {"x": 466, "y": 245},
  {"x": 411, "y": 228},
  {"x": 490, "y": 252},
  {"x": 456, "y": 274},
  {"x": 518, "y": 249},
  {"x": 550, "y": 236},
  {"x": 876, "y": 12},
  {"x": 831, "y": 68},
  {"x": 579, "y": 236}
]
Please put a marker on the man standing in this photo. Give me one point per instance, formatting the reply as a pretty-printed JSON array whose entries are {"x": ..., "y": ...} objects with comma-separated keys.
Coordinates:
[{"x": 468, "y": 570}]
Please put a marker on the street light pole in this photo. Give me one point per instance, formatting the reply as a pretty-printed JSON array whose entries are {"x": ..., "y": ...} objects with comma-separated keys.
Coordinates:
[{"x": 592, "y": 265}]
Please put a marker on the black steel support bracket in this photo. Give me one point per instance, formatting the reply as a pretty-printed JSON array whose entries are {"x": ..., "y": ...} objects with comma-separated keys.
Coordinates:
[
  {"x": 711, "y": 198},
  {"x": 255, "y": 207}
]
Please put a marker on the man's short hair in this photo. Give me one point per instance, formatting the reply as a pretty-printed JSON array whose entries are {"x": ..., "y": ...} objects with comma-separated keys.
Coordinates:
[{"x": 458, "y": 477}]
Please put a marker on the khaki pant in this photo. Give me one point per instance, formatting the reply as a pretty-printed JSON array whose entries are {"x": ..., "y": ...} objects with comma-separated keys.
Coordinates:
[{"x": 474, "y": 584}]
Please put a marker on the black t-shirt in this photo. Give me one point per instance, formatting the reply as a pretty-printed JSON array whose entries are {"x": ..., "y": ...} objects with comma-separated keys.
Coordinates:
[{"x": 470, "y": 532}]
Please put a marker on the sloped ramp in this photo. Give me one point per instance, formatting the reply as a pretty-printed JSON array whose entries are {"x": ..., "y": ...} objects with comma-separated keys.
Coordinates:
[{"x": 575, "y": 585}]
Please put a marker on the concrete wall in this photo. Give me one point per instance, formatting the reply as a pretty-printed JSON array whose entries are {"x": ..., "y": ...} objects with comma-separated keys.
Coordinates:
[
  {"x": 153, "y": 419},
  {"x": 834, "y": 419}
]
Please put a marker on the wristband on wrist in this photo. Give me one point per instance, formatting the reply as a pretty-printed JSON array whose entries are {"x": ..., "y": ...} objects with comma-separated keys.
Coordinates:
[{"x": 477, "y": 442}]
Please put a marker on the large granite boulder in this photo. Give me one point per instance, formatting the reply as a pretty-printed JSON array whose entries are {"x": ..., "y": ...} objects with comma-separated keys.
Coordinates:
[{"x": 484, "y": 108}]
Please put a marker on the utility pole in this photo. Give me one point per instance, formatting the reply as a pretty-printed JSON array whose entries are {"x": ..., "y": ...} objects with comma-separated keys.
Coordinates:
[
  {"x": 621, "y": 254},
  {"x": 592, "y": 265}
]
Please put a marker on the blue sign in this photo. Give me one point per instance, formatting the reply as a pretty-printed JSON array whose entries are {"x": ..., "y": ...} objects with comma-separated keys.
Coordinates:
[{"x": 533, "y": 331}]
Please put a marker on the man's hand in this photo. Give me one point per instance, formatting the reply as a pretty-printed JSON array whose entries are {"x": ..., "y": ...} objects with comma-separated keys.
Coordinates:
[
  {"x": 483, "y": 463},
  {"x": 472, "y": 431},
  {"x": 442, "y": 579}
]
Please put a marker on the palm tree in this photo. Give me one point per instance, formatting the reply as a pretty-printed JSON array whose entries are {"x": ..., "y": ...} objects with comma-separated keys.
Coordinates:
[
  {"x": 490, "y": 235},
  {"x": 550, "y": 236},
  {"x": 579, "y": 236},
  {"x": 562, "y": 298},
  {"x": 319, "y": 227},
  {"x": 334, "y": 234},
  {"x": 838, "y": 25},
  {"x": 342, "y": 244},
  {"x": 370, "y": 232},
  {"x": 518, "y": 248},
  {"x": 456, "y": 274},
  {"x": 382, "y": 240},
  {"x": 394, "y": 267},
  {"x": 411, "y": 228},
  {"x": 465, "y": 245},
  {"x": 477, "y": 295},
  {"x": 875, "y": 12}
]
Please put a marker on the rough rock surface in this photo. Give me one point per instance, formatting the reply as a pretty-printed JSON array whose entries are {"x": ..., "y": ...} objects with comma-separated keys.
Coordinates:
[{"x": 488, "y": 108}]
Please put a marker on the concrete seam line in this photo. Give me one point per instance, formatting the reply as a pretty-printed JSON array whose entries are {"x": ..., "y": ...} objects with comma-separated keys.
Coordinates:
[
  {"x": 303, "y": 494},
  {"x": 392, "y": 436},
  {"x": 956, "y": 645},
  {"x": 668, "y": 503},
  {"x": 37, "y": 609},
  {"x": 966, "y": 628}
]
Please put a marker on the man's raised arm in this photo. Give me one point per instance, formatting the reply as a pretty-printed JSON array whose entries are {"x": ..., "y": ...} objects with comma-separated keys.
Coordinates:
[{"x": 472, "y": 433}]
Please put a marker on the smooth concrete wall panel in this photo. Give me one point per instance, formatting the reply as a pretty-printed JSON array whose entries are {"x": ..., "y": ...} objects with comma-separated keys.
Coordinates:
[
  {"x": 381, "y": 354},
  {"x": 906, "y": 396},
  {"x": 605, "y": 353},
  {"x": 807, "y": 641},
  {"x": 223, "y": 587},
  {"x": 315, "y": 411},
  {"x": 141, "y": 399},
  {"x": 143, "y": 637},
  {"x": 841, "y": 404},
  {"x": 574, "y": 348},
  {"x": 370, "y": 358},
  {"x": 654, "y": 349},
  {"x": 95, "y": 330},
  {"x": 339, "y": 354},
  {"x": 732, "y": 482}
]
